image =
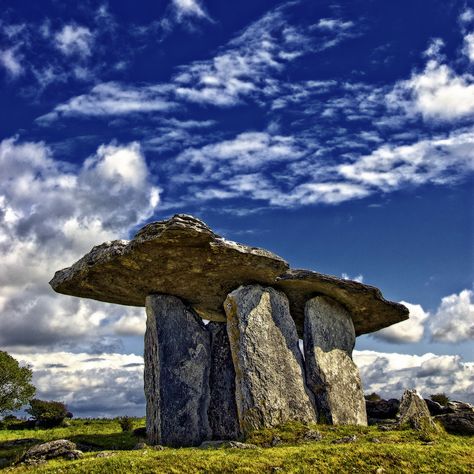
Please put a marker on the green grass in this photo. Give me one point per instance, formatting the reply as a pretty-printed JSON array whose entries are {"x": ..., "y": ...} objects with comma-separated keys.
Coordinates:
[{"x": 397, "y": 451}]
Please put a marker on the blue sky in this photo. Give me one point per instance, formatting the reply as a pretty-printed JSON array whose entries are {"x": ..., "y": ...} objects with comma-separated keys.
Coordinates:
[{"x": 339, "y": 135}]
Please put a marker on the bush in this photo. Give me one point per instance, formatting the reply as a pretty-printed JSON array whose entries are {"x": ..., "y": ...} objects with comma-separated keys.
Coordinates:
[
  {"x": 47, "y": 413},
  {"x": 373, "y": 397},
  {"x": 440, "y": 398},
  {"x": 140, "y": 432},
  {"x": 126, "y": 423}
]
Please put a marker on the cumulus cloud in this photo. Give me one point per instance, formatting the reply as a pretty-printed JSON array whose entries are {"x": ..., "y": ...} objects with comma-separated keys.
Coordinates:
[
  {"x": 389, "y": 374},
  {"x": 107, "y": 385},
  {"x": 51, "y": 213},
  {"x": 74, "y": 40},
  {"x": 437, "y": 93},
  {"x": 454, "y": 319},
  {"x": 411, "y": 330}
]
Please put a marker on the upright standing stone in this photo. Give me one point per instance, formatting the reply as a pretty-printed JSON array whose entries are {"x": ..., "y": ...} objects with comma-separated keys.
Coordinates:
[
  {"x": 329, "y": 339},
  {"x": 222, "y": 412},
  {"x": 270, "y": 386},
  {"x": 414, "y": 412},
  {"x": 177, "y": 356}
]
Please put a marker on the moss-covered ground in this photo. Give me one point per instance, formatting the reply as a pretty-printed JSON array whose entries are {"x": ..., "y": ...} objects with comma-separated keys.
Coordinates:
[{"x": 373, "y": 451}]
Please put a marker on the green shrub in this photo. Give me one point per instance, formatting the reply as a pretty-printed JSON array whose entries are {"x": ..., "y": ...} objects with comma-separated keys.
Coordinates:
[
  {"x": 440, "y": 398},
  {"x": 373, "y": 397},
  {"x": 126, "y": 423},
  {"x": 47, "y": 413}
]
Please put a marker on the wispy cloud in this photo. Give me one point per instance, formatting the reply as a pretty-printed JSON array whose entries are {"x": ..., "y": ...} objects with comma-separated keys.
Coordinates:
[
  {"x": 189, "y": 8},
  {"x": 114, "y": 99},
  {"x": 74, "y": 40}
]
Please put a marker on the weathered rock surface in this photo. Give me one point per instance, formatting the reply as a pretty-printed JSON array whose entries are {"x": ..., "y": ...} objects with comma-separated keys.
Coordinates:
[
  {"x": 331, "y": 374},
  {"x": 50, "y": 450},
  {"x": 222, "y": 411},
  {"x": 177, "y": 360},
  {"x": 180, "y": 256},
  {"x": 270, "y": 386},
  {"x": 381, "y": 410},
  {"x": 436, "y": 408},
  {"x": 183, "y": 257},
  {"x": 457, "y": 423},
  {"x": 368, "y": 309},
  {"x": 414, "y": 411},
  {"x": 217, "y": 444}
]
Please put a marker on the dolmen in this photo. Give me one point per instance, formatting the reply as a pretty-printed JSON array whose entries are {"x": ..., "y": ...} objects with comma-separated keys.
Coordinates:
[{"x": 244, "y": 369}]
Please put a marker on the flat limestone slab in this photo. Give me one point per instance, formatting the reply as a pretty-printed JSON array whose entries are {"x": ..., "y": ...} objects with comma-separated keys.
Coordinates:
[
  {"x": 369, "y": 310},
  {"x": 180, "y": 256},
  {"x": 183, "y": 257}
]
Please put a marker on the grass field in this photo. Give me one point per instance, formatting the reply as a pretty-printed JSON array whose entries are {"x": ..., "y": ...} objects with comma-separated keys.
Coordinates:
[{"x": 373, "y": 452}]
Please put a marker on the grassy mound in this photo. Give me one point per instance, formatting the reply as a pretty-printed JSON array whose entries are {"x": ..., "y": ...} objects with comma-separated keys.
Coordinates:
[{"x": 291, "y": 448}]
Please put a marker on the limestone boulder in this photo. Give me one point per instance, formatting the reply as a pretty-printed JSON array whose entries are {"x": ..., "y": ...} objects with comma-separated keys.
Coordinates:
[
  {"x": 270, "y": 378},
  {"x": 222, "y": 412},
  {"x": 331, "y": 374},
  {"x": 457, "y": 423},
  {"x": 414, "y": 411},
  {"x": 50, "y": 450},
  {"x": 177, "y": 363}
]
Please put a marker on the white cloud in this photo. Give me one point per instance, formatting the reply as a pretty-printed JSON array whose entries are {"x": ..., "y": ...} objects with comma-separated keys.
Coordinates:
[
  {"x": 73, "y": 39},
  {"x": 333, "y": 24},
  {"x": 112, "y": 98},
  {"x": 188, "y": 8},
  {"x": 411, "y": 330},
  {"x": 99, "y": 385},
  {"x": 10, "y": 60},
  {"x": 467, "y": 15},
  {"x": 389, "y": 374},
  {"x": 359, "y": 278},
  {"x": 437, "y": 93},
  {"x": 469, "y": 46},
  {"x": 436, "y": 160},
  {"x": 454, "y": 319},
  {"x": 51, "y": 213}
]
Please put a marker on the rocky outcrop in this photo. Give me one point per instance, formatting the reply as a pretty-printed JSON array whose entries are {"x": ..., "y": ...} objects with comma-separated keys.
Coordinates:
[
  {"x": 183, "y": 257},
  {"x": 177, "y": 360},
  {"x": 414, "y": 411},
  {"x": 334, "y": 379},
  {"x": 436, "y": 408},
  {"x": 381, "y": 410},
  {"x": 270, "y": 386},
  {"x": 459, "y": 419},
  {"x": 457, "y": 423},
  {"x": 222, "y": 410},
  {"x": 52, "y": 449}
]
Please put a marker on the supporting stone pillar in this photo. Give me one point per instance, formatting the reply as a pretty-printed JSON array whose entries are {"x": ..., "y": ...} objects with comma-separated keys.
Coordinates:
[
  {"x": 270, "y": 386},
  {"x": 329, "y": 339},
  {"x": 177, "y": 359},
  {"x": 222, "y": 411}
]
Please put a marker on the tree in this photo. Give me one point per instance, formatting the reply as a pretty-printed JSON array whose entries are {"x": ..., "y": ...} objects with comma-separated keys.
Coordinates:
[
  {"x": 48, "y": 413},
  {"x": 16, "y": 388},
  {"x": 373, "y": 397}
]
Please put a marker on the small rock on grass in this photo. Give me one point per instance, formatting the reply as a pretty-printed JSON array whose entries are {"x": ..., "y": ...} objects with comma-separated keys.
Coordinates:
[
  {"x": 226, "y": 444},
  {"x": 346, "y": 439},
  {"x": 50, "y": 450}
]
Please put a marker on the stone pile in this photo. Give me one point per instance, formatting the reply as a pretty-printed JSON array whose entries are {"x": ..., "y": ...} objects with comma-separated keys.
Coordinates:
[{"x": 243, "y": 370}]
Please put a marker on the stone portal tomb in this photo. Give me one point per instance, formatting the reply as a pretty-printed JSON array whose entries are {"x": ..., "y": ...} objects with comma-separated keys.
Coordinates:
[{"x": 243, "y": 370}]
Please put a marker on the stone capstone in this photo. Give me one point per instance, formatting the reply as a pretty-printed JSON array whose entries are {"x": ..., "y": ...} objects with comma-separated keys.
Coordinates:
[
  {"x": 222, "y": 411},
  {"x": 177, "y": 360},
  {"x": 331, "y": 374},
  {"x": 183, "y": 257},
  {"x": 270, "y": 379}
]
